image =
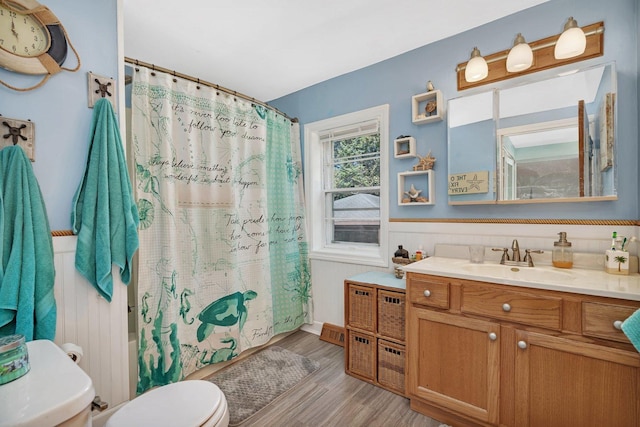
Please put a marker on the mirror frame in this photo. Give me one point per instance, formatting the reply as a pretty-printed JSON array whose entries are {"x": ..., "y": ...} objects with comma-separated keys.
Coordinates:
[{"x": 580, "y": 121}]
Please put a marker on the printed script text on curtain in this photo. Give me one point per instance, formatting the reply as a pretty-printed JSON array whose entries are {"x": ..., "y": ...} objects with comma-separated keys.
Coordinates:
[{"x": 223, "y": 263}]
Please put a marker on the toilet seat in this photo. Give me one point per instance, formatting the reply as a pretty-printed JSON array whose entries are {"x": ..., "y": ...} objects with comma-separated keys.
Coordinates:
[{"x": 186, "y": 403}]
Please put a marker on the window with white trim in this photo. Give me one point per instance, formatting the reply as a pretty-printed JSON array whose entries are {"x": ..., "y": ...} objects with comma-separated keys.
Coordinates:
[{"x": 347, "y": 192}]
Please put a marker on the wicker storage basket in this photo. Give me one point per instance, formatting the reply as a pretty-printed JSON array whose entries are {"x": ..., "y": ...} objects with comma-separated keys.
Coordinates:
[
  {"x": 361, "y": 307},
  {"x": 391, "y": 365},
  {"x": 362, "y": 355},
  {"x": 391, "y": 307}
]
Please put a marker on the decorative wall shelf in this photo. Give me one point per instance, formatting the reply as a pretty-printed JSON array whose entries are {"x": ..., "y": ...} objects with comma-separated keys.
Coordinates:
[
  {"x": 422, "y": 107},
  {"x": 421, "y": 180},
  {"x": 404, "y": 147}
]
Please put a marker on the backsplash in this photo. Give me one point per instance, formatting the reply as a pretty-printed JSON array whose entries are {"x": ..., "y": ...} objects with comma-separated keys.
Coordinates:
[
  {"x": 587, "y": 261},
  {"x": 594, "y": 239}
]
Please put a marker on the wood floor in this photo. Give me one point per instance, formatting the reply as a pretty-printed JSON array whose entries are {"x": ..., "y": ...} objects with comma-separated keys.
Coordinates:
[{"x": 329, "y": 397}]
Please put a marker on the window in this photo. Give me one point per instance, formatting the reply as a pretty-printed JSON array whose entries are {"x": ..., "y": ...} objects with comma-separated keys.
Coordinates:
[{"x": 346, "y": 160}]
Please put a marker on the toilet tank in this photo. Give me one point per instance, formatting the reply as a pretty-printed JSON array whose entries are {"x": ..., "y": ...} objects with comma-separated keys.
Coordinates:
[{"x": 52, "y": 393}]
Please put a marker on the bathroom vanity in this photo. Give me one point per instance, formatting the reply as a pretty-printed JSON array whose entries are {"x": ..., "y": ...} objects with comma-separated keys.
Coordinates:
[{"x": 488, "y": 347}]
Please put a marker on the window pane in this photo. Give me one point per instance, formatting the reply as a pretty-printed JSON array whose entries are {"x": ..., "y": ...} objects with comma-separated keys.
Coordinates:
[
  {"x": 355, "y": 162},
  {"x": 355, "y": 217}
]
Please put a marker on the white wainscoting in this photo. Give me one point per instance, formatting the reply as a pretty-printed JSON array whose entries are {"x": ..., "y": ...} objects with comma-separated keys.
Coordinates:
[{"x": 88, "y": 320}]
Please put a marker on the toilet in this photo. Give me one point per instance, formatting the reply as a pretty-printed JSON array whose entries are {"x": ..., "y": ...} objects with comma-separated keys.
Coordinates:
[
  {"x": 190, "y": 403},
  {"x": 55, "y": 391},
  {"x": 58, "y": 393}
]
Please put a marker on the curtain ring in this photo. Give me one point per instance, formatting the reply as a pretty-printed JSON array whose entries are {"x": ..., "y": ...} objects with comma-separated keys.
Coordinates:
[
  {"x": 198, "y": 85},
  {"x": 174, "y": 77}
]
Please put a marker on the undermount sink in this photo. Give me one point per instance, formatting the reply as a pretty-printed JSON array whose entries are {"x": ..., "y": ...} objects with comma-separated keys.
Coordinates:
[{"x": 533, "y": 274}]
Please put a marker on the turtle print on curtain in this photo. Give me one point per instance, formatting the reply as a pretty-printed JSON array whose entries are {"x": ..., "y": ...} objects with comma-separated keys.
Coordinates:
[{"x": 223, "y": 262}]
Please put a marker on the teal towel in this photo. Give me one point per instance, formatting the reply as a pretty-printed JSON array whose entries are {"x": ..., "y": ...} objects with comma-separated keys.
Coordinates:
[
  {"x": 104, "y": 214},
  {"x": 27, "y": 273},
  {"x": 631, "y": 328}
]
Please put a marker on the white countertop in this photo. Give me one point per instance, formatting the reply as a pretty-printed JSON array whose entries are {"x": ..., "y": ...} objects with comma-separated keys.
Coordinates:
[{"x": 581, "y": 281}]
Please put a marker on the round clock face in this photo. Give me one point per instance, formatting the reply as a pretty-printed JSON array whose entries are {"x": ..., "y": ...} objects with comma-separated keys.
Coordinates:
[{"x": 22, "y": 35}]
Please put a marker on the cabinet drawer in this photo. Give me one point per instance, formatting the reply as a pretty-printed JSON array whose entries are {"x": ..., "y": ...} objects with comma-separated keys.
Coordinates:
[
  {"x": 391, "y": 358},
  {"x": 362, "y": 355},
  {"x": 604, "y": 320},
  {"x": 432, "y": 293},
  {"x": 361, "y": 307},
  {"x": 391, "y": 307},
  {"x": 513, "y": 306}
]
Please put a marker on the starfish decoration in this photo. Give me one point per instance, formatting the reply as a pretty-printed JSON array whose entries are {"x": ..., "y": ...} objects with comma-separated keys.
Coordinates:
[
  {"x": 475, "y": 182},
  {"x": 413, "y": 193},
  {"x": 14, "y": 133}
]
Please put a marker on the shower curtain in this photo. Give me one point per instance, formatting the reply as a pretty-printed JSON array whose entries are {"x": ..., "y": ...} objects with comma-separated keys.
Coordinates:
[{"x": 223, "y": 262}]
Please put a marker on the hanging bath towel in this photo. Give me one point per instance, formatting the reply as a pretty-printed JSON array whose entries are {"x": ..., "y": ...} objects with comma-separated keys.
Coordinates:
[
  {"x": 104, "y": 214},
  {"x": 631, "y": 328},
  {"x": 27, "y": 273}
]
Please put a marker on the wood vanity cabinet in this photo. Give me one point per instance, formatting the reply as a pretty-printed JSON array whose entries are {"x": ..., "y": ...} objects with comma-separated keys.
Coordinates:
[
  {"x": 375, "y": 330},
  {"x": 496, "y": 355}
]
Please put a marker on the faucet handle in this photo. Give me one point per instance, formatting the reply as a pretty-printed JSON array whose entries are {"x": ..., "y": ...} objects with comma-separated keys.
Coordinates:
[
  {"x": 505, "y": 254},
  {"x": 527, "y": 255}
]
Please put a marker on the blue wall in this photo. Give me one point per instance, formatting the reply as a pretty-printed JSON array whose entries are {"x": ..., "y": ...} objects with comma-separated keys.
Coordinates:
[
  {"x": 394, "y": 81},
  {"x": 59, "y": 108}
]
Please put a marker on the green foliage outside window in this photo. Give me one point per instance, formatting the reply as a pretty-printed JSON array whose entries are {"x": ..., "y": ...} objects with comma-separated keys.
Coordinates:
[{"x": 357, "y": 163}]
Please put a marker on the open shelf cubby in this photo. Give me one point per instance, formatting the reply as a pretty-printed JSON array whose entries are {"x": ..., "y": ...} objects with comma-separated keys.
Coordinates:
[
  {"x": 419, "y": 105},
  {"x": 421, "y": 180},
  {"x": 404, "y": 147}
]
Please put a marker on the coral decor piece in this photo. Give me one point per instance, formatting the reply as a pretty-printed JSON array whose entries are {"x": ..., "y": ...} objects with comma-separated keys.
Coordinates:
[{"x": 425, "y": 163}]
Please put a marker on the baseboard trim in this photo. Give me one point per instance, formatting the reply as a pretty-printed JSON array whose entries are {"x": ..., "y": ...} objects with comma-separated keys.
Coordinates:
[{"x": 314, "y": 328}]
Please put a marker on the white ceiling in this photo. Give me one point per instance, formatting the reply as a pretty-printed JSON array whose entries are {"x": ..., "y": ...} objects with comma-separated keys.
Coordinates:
[{"x": 270, "y": 48}]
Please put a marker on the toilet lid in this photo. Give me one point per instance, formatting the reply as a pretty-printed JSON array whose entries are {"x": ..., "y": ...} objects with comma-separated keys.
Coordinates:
[{"x": 185, "y": 403}]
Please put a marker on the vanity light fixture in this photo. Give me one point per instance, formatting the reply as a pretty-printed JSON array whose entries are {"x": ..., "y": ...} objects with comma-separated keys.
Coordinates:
[
  {"x": 520, "y": 56},
  {"x": 524, "y": 58},
  {"x": 477, "y": 68},
  {"x": 572, "y": 41}
]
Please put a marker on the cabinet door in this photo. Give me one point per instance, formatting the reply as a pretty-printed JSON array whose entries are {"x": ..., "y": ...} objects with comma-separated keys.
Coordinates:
[
  {"x": 454, "y": 363},
  {"x": 560, "y": 382}
]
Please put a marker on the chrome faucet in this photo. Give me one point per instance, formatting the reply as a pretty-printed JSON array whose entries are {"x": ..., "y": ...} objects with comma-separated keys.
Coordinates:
[
  {"x": 515, "y": 259},
  {"x": 516, "y": 251}
]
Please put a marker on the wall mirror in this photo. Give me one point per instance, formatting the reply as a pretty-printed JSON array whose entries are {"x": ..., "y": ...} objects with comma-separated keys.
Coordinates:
[{"x": 550, "y": 140}]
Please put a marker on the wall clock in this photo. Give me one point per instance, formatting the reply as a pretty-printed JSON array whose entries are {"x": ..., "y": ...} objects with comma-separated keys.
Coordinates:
[{"x": 32, "y": 39}]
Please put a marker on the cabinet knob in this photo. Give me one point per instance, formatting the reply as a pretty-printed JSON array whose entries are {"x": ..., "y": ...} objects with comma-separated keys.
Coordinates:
[
  {"x": 522, "y": 344},
  {"x": 493, "y": 336},
  {"x": 618, "y": 325},
  {"x": 506, "y": 307},
  {"x": 427, "y": 293}
]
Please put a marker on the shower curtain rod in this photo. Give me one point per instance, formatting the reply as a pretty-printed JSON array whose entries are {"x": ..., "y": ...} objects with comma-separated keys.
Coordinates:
[{"x": 205, "y": 83}]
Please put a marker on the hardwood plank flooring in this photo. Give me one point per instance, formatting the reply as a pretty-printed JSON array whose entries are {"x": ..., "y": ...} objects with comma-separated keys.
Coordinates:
[{"x": 329, "y": 397}]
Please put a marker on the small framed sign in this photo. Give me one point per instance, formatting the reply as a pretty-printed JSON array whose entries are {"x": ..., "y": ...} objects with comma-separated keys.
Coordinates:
[{"x": 468, "y": 183}]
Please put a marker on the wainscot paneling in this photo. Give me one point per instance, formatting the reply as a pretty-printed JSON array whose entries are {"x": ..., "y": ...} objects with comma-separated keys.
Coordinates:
[{"x": 88, "y": 320}]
